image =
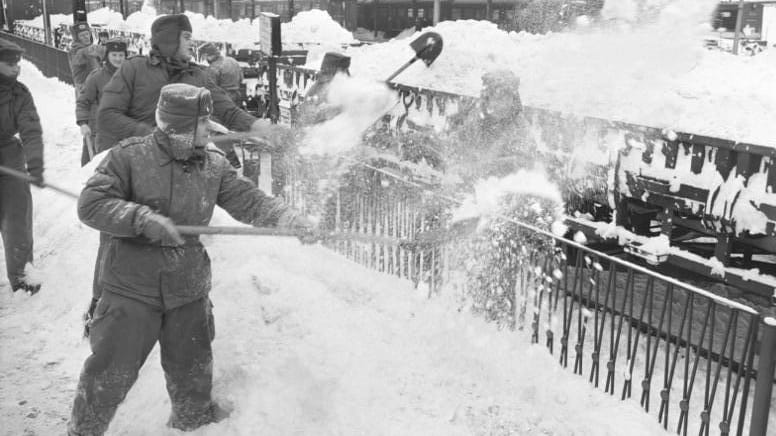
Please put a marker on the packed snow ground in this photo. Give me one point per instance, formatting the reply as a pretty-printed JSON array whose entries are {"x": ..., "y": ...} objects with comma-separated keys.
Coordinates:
[{"x": 307, "y": 342}]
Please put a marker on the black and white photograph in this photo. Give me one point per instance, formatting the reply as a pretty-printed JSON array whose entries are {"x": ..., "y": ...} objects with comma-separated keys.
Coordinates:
[{"x": 388, "y": 217}]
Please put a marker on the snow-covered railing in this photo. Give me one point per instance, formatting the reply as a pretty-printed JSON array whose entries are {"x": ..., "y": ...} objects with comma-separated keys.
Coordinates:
[
  {"x": 690, "y": 356},
  {"x": 714, "y": 187}
]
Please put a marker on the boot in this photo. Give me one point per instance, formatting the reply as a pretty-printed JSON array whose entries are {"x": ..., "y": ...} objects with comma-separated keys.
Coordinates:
[
  {"x": 29, "y": 288},
  {"x": 214, "y": 414}
]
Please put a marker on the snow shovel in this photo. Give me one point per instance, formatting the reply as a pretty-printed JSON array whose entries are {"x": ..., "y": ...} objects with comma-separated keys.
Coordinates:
[
  {"x": 427, "y": 47},
  {"x": 35, "y": 181}
]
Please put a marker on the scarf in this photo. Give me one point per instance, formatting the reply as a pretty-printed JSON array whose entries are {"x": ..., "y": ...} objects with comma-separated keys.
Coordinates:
[{"x": 176, "y": 68}]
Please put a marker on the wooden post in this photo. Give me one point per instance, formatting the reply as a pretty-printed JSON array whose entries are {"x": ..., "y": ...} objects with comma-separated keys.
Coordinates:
[{"x": 437, "y": 6}]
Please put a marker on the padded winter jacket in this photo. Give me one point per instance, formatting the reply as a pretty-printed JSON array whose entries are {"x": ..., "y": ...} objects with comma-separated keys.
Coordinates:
[
  {"x": 139, "y": 174},
  {"x": 18, "y": 115},
  {"x": 227, "y": 74},
  {"x": 83, "y": 60},
  {"x": 128, "y": 103},
  {"x": 89, "y": 98}
]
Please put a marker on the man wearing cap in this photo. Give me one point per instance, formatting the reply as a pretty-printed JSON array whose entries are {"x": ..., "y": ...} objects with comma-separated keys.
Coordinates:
[
  {"x": 493, "y": 140},
  {"x": 89, "y": 98},
  {"x": 129, "y": 98},
  {"x": 155, "y": 283},
  {"x": 314, "y": 109},
  {"x": 225, "y": 71},
  {"x": 84, "y": 56},
  {"x": 18, "y": 116}
]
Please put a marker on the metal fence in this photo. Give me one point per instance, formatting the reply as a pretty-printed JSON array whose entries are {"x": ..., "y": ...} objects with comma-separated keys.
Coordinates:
[
  {"x": 52, "y": 62},
  {"x": 701, "y": 363}
]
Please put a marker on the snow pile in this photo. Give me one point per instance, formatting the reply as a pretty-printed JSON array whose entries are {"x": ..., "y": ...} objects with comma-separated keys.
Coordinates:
[
  {"x": 654, "y": 72},
  {"x": 315, "y": 26}
]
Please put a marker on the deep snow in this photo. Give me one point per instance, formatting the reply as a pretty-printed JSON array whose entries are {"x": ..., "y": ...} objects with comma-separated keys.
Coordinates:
[{"x": 307, "y": 342}]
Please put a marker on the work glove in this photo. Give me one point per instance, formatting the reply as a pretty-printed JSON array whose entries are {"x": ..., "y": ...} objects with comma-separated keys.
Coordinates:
[
  {"x": 35, "y": 170},
  {"x": 88, "y": 316},
  {"x": 304, "y": 227},
  {"x": 159, "y": 228},
  {"x": 273, "y": 134},
  {"x": 86, "y": 130}
]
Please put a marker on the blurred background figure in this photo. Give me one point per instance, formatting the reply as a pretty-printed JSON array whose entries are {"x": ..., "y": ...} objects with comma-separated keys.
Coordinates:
[{"x": 224, "y": 70}]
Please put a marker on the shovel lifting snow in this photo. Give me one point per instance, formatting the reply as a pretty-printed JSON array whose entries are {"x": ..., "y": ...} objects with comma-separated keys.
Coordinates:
[{"x": 427, "y": 47}]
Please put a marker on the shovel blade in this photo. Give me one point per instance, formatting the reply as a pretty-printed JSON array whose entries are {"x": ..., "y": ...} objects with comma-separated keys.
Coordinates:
[{"x": 427, "y": 47}]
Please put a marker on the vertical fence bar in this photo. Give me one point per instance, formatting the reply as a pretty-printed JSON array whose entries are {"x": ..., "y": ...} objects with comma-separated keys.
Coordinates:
[{"x": 765, "y": 374}]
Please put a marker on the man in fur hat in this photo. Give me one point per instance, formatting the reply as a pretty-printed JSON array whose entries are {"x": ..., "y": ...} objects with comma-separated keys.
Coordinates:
[
  {"x": 84, "y": 56},
  {"x": 155, "y": 282},
  {"x": 314, "y": 108},
  {"x": 18, "y": 116},
  {"x": 127, "y": 105},
  {"x": 89, "y": 99},
  {"x": 224, "y": 70}
]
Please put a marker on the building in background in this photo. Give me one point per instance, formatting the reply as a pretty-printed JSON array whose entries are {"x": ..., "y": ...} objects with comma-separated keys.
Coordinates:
[{"x": 758, "y": 26}]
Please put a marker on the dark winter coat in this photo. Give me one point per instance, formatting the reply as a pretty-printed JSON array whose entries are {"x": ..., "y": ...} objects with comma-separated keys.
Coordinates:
[
  {"x": 89, "y": 98},
  {"x": 83, "y": 60},
  {"x": 226, "y": 73},
  {"x": 129, "y": 100},
  {"x": 139, "y": 174},
  {"x": 19, "y": 116}
]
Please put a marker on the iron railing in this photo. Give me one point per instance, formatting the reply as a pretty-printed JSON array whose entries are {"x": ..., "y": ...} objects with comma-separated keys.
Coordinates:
[
  {"x": 690, "y": 357},
  {"x": 51, "y": 61}
]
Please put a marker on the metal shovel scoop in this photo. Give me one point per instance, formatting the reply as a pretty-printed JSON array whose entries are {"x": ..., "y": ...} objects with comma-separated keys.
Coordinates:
[{"x": 427, "y": 48}]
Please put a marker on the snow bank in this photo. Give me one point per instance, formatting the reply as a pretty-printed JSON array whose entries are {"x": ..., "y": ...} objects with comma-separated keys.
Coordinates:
[
  {"x": 643, "y": 63},
  {"x": 654, "y": 72}
]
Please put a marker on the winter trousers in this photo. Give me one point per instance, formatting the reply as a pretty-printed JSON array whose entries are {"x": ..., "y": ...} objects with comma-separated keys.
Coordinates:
[
  {"x": 123, "y": 333},
  {"x": 15, "y": 213}
]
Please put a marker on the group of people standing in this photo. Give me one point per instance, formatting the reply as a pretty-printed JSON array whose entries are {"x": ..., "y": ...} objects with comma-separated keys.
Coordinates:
[{"x": 151, "y": 283}]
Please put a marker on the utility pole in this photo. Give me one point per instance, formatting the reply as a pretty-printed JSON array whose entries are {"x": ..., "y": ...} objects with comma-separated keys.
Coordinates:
[
  {"x": 739, "y": 23},
  {"x": 6, "y": 24},
  {"x": 79, "y": 11},
  {"x": 46, "y": 23}
]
